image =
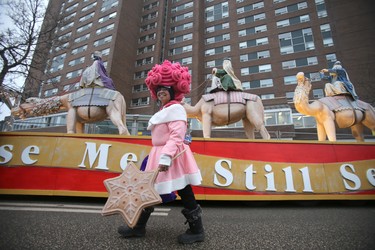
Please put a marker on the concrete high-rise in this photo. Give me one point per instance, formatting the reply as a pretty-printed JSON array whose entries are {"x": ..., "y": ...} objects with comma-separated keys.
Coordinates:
[{"x": 268, "y": 42}]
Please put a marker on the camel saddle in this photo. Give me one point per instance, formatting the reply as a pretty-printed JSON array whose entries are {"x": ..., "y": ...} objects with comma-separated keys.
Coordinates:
[
  {"x": 222, "y": 97},
  {"x": 339, "y": 103},
  {"x": 344, "y": 103},
  {"x": 92, "y": 97}
]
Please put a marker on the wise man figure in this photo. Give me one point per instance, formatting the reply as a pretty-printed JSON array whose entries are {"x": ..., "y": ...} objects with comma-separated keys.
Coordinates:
[
  {"x": 225, "y": 79},
  {"x": 96, "y": 75}
]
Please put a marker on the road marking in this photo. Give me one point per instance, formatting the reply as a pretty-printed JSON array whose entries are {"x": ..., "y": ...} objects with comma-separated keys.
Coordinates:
[{"x": 9, "y": 206}]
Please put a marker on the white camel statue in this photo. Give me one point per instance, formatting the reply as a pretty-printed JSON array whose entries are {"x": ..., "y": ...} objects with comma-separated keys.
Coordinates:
[
  {"x": 341, "y": 108},
  {"x": 210, "y": 114},
  {"x": 79, "y": 115}
]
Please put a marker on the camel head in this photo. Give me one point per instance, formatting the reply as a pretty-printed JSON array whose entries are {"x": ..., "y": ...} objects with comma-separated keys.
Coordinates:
[
  {"x": 303, "y": 88},
  {"x": 37, "y": 107},
  {"x": 25, "y": 108}
]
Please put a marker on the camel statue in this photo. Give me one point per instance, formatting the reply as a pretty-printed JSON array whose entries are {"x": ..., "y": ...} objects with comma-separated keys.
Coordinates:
[
  {"x": 245, "y": 106},
  {"x": 341, "y": 108},
  {"x": 110, "y": 104}
]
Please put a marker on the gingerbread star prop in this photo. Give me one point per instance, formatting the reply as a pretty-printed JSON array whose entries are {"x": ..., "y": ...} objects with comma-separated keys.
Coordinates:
[{"x": 130, "y": 193}]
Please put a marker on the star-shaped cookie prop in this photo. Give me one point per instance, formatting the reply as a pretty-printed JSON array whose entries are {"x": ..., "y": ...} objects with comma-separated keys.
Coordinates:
[{"x": 130, "y": 193}]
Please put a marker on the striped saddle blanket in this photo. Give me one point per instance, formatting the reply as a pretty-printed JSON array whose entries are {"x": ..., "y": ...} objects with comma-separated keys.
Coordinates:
[
  {"x": 222, "y": 97},
  {"x": 92, "y": 97}
]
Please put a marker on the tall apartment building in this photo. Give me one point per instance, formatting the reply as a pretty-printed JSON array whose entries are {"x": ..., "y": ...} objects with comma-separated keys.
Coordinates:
[{"x": 268, "y": 42}]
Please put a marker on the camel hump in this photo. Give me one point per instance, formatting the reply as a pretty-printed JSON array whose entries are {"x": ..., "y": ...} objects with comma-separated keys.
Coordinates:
[
  {"x": 222, "y": 97},
  {"x": 92, "y": 97},
  {"x": 343, "y": 102}
]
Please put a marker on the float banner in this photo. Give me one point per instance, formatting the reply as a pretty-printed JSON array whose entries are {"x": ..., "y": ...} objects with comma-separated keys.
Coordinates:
[{"x": 232, "y": 169}]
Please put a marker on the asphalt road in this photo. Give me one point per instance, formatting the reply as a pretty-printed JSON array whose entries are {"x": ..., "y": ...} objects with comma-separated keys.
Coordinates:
[{"x": 76, "y": 223}]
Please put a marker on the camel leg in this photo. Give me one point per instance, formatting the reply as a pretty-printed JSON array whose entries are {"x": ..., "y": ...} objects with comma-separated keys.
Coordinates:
[
  {"x": 71, "y": 120},
  {"x": 249, "y": 128},
  {"x": 255, "y": 115},
  {"x": 206, "y": 125},
  {"x": 330, "y": 129},
  {"x": 322, "y": 135},
  {"x": 79, "y": 127},
  {"x": 357, "y": 132},
  {"x": 118, "y": 120}
]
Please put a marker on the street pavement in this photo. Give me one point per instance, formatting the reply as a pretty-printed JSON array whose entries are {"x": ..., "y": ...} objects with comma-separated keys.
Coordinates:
[{"x": 76, "y": 223}]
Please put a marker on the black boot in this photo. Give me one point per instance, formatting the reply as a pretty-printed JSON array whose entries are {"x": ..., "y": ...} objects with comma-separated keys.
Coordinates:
[
  {"x": 195, "y": 233},
  {"x": 140, "y": 229}
]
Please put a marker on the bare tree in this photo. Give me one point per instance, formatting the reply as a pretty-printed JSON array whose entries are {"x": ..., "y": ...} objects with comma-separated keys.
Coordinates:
[{"x": 18, "y": 42}]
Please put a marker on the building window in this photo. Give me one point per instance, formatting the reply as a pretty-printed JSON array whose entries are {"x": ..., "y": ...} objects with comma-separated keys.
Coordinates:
[
  {"x": 219, "y": 38},
  {"x": 79, "y": 49},
  {"x": 70, "y": 8},
  {"x": 88, "y": 16},
  {"x": 251, "y": 19},
  {"x": 57, "y": 63},
  {"x": 90, "y": 6},
  {"x": 250, "y": 7},
  {"x": 325, "y": 29},
  {"x": 296, "y": 41},
  {"x": 256, "y": 69},
  {"x": 182, "y": 17},
  {"x": 303, "y": 121},
  {"x": 253, "y": 43},
  {"x": 146, "y": 49},
  {"x": 103, "y": 41},
  {"x": 181, "y": 27},
  {"x": 54, "y": 80},
  {"x": 108, "y": 17},
  {"x": 182, "y": 38},
  {"x": 50, "y": 92},
  {"x": 143, "y": 101},
  {"x": 321, "y": 8},
  {"x": 84, "y": 27},
  {"x": 291, "y": 8},
  {"x": 151, "y": 6},
  {"x": 255, "y": 56},
  {"x": 217, "y": 12},
  {"x": 149, "y": 16},
  {"x": 139, "y": 88},
  {"x": 278, "y": 117},
  {"x": 184, "y": 61},
  {"x": 149, "y": 26},
  {"x": 76, "y": 61},
  {"x": 105, "y": 29},
  {"x": 71, "y": 87},
  {"x": 292, "y": 21},
  {"x": 217, "y": 27},
  {"x": 300, "y": 62},
  {"x": 182, "y": 7},
  {"x": 147, "y": 38},
  {"x": 318, "y": 93},
  {"x": 218, "y": 50},
  {"x": 140, "y": 74},
  {"x": 144, "y": 61},
  {"x": 331, "y": 59},
  {"x": 73, "y": 74},
  {"x": 82, "y": 38},
  {"x": 256, "y": 84},
  {"x": 180, "y": 50},
  {"x": 267, "y": 96},
  {"x": 108, "y": 4},
  {"x": 252, "y": 30}
]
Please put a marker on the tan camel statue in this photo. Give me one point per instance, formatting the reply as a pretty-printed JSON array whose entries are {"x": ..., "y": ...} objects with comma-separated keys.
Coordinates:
[
  {"x": 210, "y": 113},
  {"x": 341, "y": 108},
  {"x": 78, "y": 115}
]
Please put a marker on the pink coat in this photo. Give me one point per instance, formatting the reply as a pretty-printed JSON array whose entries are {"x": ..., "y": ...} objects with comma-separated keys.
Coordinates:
[{"x": 167, "y": 141}]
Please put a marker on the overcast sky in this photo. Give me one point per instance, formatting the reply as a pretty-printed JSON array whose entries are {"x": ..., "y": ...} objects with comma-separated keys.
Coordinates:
[{"x": 5, "y": 22}]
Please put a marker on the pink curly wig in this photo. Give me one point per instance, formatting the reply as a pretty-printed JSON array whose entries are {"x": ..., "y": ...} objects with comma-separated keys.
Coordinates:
[{"x": 169, "y": 74}]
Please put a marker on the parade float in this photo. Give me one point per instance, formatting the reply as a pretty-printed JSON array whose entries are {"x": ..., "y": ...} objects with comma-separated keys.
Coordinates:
[{"x": 59, "y": 164}]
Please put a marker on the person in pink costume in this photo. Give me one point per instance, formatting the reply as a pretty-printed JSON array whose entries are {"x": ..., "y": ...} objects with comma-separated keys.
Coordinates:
[{"x": 168, "y": 83}]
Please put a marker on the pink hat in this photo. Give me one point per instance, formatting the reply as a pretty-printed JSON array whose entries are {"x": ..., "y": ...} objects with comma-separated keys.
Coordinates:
[{"x": 169, "y": 74}]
